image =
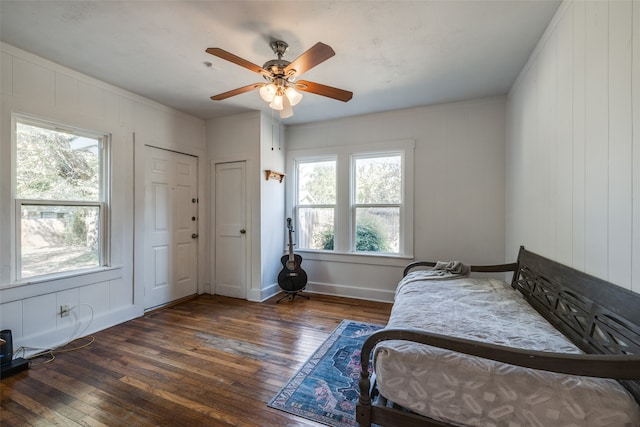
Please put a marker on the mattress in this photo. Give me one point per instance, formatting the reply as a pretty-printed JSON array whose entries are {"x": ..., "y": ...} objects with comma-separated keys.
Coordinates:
[{"x": 465, "y": 390}]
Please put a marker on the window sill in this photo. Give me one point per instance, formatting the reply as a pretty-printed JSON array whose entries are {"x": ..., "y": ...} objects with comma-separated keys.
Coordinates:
[
  {"x": 42, "y": 285},
  {"x": 356, "y": 258}
]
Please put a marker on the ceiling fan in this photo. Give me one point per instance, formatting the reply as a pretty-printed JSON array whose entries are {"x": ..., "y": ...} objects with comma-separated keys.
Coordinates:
[{"x": 280, "y": 89}]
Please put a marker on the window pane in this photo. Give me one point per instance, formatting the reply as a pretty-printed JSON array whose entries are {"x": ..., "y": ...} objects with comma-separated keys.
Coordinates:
[
  {"x": 59, "y": 238},
  {"x": 378, "y": 229},
  {"x": 315, "y": 228},
  {"x": 317, "y": 183},
  {"x": 54, "y": 165},
  {"x": 378, "y": 180}
]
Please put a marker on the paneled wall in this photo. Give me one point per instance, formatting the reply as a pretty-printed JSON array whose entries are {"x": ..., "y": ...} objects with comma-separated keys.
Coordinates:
[
  {"x": 573, "y": 145},
  {"x": 258, "y": 140},
  {"x": 37, "y": 87},
  {"x": 459, "y": 181},
  {"x": 272, "y": 212}
]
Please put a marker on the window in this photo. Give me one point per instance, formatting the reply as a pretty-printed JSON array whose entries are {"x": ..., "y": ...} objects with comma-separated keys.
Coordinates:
[
  {"x": 316, "y": 203},
  {"x": 61, "y": 195},
  {"x": 354, "y": 200},
  {"x": 377, "y": 199}
]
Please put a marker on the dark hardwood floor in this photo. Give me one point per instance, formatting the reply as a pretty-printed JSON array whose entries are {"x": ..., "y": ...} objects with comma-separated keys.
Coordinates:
[{"x": 210, "y": 361}]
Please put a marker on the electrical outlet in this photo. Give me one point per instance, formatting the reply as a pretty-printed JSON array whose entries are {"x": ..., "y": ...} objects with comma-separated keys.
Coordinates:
[{"x": 64, "y": 310}]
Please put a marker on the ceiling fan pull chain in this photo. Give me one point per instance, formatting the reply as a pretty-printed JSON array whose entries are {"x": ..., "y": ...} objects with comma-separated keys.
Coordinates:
[{"x": 272, "y": 130}]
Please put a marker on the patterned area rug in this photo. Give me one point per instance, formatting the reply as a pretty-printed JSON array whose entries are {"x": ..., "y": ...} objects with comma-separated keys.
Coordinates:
[{"x": 326, "y": 389}]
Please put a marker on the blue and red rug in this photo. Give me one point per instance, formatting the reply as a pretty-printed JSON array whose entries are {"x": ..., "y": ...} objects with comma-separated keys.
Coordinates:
[{"x": 326, "y": 389}]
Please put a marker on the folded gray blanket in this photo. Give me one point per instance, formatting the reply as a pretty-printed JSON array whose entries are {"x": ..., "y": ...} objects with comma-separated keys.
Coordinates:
[
  {"x": 453, "y": 267},
  {"x": 443, "y": 270}
]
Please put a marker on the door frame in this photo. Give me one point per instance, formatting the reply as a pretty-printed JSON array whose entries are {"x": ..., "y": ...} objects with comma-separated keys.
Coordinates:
[
  {"x": 174, "y": 289},
  {"x": 251, "y": 229},
  {"x": 139, "y": 145}
]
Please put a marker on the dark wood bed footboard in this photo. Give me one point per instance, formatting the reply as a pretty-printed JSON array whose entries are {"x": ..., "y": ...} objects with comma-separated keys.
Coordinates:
[
  {"x": 600, "y": 318},
  {"x": 620, "y": 367}
]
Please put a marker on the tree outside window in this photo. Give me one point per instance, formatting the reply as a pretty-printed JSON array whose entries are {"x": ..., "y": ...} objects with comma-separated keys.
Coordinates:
[
  {"x": 59, "y": 199},
  {"x": 377, "y": 200},
  {"x": 316, "y": 203}
]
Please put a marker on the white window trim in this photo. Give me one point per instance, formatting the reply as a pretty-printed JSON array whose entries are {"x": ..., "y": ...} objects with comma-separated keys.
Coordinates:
[
  {"x": 104, "y": 203},
  {"x": 295, "y": 195},
  {"x": 344, "y": 211},
  {"x": 401, "y": 205}
]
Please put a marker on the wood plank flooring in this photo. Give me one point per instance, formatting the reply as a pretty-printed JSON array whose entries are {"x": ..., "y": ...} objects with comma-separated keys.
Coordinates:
[{"x": 210, "y": 361}]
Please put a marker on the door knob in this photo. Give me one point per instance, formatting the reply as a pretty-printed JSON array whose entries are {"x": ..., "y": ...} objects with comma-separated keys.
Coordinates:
[
  {"x": 243, "y": 231},
  {"x": 194, "y": 236}
]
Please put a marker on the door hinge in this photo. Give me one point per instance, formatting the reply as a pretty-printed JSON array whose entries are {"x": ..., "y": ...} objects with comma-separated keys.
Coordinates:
[{"x": 194, "y": 200}]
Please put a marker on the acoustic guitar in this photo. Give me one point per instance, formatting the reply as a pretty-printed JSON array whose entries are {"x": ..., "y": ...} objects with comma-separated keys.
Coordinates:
[{"x": 292, "y": 278}]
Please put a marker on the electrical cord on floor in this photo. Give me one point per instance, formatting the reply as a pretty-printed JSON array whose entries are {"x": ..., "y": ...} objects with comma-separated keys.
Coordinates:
[{"x": 50, "y": 353}]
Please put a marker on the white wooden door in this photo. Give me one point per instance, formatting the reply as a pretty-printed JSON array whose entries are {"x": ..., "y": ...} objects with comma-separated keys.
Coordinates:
[
  {"x": 231, "y": 266},
  {"x": 171, "y": 226}
]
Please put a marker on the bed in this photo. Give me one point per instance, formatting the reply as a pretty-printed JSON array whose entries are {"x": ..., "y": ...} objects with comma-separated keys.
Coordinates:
[{"x": 554, "y": 347}]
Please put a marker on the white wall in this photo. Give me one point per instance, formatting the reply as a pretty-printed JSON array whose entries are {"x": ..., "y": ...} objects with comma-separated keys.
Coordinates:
[
  {"x": 34, "y": 86},
  {"x": 573, "y": 175},
  {"x": 272, "y": 213},
  {"x": 459, "y": 200}
]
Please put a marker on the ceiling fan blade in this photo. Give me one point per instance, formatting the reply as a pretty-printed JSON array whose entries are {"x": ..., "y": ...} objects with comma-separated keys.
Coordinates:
[
  {"x": 328, "y": 91},
  {"x": 237, "y": 91},
  {"x": 221, "y": 53},
  {"x": 316, "y": 54}
]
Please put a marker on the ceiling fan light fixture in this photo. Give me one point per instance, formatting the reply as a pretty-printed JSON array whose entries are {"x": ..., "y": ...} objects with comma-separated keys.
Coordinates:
[
  {"x": 268, "y": 91},
  {"x": 286, "y": 111},
  {"x": 293, "y": 95},
  {"x": 277, "y": 103},
  {"x": 281, "y": 76}
]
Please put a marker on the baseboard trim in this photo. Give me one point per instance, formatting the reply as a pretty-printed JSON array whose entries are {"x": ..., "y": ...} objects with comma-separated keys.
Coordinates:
[
  {"x": 264, "y": 294},
  {"x": 55, "y": 338},
  {"x": 169, "y": 304},
  {"x": 333, "y": 289}
]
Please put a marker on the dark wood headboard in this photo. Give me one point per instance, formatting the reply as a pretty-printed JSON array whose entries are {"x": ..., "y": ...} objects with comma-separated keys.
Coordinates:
[{"x": 597, "y": 316}]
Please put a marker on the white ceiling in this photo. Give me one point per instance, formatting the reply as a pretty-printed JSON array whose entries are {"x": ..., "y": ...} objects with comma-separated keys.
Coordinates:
[{"x": 390, "y": 54}]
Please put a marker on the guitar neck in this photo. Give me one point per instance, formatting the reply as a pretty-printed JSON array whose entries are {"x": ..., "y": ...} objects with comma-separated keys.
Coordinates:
[{"x": 291, "y": 257}]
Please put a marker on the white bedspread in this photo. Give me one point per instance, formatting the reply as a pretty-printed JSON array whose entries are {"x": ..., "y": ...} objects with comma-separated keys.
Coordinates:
[{"x": 465, "y": 390}]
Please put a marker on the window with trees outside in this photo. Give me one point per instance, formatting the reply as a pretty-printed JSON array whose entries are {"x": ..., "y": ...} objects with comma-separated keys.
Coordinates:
[
  {"x": 377, "y": 199},
  {"x": 316, "y": 200},
  {"x": 354, "y": 201},
  {"x": 61, "y": 194}
]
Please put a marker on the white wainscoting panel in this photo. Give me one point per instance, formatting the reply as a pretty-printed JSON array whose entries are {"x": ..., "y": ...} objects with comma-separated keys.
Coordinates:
[{"x": 581, "y": 197}]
